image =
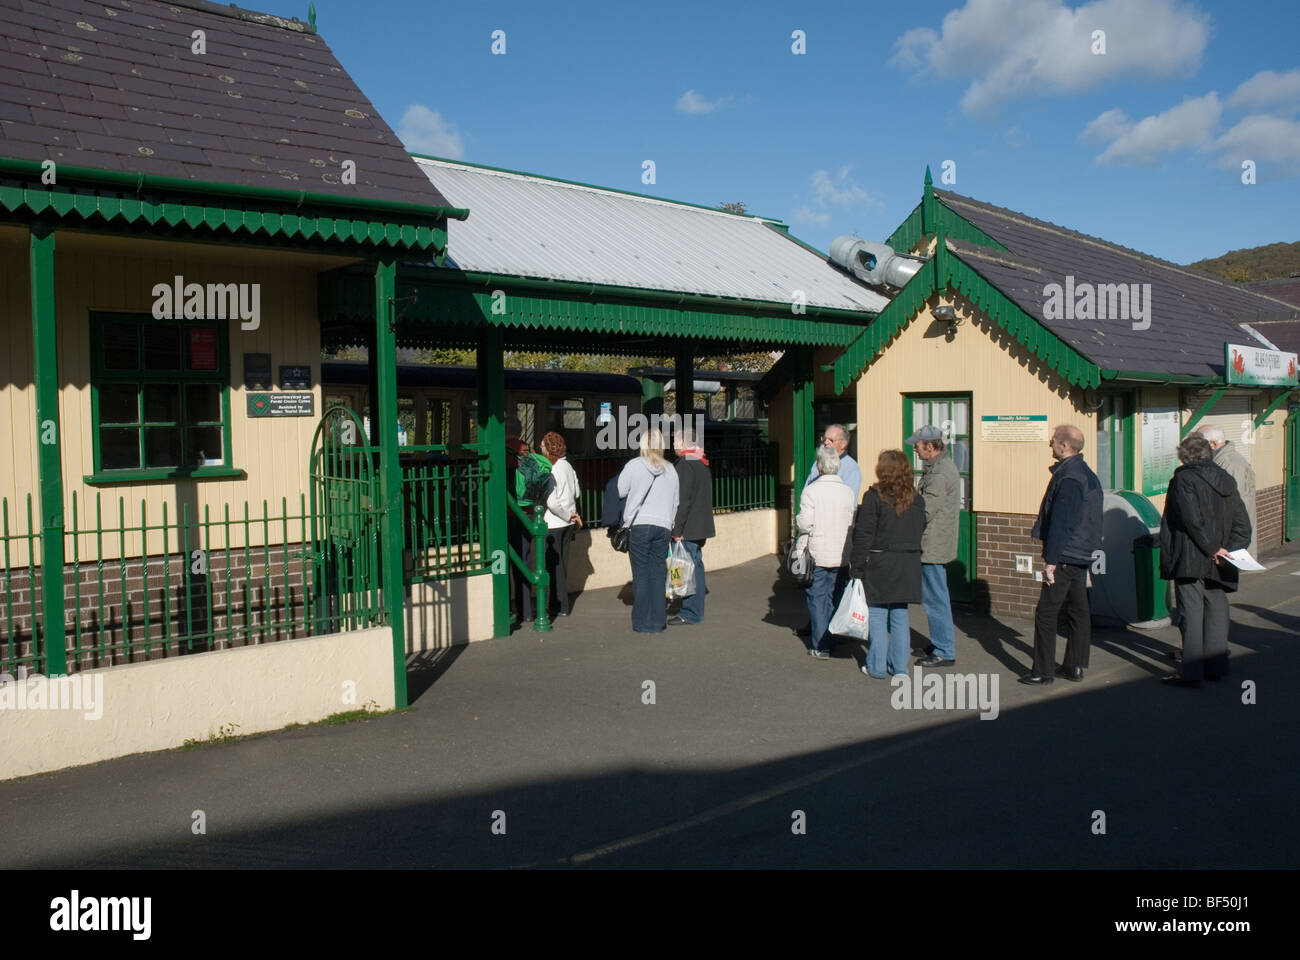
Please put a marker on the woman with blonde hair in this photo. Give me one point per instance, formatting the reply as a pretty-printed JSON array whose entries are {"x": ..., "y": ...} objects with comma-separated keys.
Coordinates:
[
  {"x": 887, "y": 559},
  {"x": 650, "y": 491}
]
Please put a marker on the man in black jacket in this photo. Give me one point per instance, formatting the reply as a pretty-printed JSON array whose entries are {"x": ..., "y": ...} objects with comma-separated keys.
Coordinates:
[
  {"x": 694, "y": 522},
  {"x": 1204, "y": 518},
  {"x": 1069, "y": 524}
]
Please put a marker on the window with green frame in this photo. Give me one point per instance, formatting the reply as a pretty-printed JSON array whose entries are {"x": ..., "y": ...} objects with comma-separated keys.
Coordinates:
[
  {"x": 1115, "y": 441},
  {"x": 160, "y": 397}
]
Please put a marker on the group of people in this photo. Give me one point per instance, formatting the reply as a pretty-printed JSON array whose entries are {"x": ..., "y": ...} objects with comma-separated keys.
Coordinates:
[
  {"x": 658, "y": 502},
  {"x": 898, "y": 540}
]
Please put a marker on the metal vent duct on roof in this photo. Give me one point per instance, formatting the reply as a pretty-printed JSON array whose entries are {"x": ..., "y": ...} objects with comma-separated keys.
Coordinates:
[{"x": 874, "y": 263}]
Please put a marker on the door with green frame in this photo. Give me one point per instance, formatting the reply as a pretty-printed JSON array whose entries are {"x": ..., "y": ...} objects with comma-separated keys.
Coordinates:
[
  {"x": 1293, "y": 472},
  {"x": 952, "y": 415}
]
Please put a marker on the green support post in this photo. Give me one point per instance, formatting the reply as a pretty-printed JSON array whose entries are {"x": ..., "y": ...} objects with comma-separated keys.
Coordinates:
[
  {"x": 383, "y": 419},
  {"x": 803, "y": 422},
  {"x": 684, "y": 398},
  {"x": 1196, "y": 417},
  {"x": 49, "y": 465},
  {"x": 492, "y": 440}
]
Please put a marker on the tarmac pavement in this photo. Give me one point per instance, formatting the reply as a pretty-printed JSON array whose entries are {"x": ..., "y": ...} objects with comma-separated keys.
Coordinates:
[{"x": 751, "y": 754}]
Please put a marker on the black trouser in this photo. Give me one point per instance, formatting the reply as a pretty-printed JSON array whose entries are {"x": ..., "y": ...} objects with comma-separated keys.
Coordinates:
[
  {"x": 1203, "y": 605},
  {"x": 522, "y": 541},
  {"x": 1070, "y": 591},
  {"x": 558, "y": 540}
]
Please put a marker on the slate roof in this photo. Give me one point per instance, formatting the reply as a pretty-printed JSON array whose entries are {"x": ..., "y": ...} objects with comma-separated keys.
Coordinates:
[
  {"x": 1191, "y": 315},
  {"x": 1286, "y": 288},
  {"x": 115, "y": 85},
  {"x": 529, "y": 226}
]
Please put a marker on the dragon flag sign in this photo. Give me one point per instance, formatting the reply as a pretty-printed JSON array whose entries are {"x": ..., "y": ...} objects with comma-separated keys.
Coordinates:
[{"x": 1257, "y": 367}]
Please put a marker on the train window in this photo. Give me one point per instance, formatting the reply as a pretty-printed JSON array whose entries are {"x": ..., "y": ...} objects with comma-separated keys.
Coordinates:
[
  {"x": 440, "y": 421},
  {"x": 575, "y": 414},
  {"x": 406, "y": 433}
]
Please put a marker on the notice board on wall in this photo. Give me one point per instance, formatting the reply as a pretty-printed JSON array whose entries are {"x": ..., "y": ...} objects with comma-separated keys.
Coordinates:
[{"x": 1159, "y": 448}]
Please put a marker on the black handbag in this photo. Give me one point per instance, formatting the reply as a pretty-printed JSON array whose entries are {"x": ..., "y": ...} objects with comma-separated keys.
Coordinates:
[{"x": 796, "y": 564}]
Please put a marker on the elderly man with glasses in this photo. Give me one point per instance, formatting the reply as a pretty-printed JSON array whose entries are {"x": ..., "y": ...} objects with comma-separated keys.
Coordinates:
[{"x": 837, "y": 438}]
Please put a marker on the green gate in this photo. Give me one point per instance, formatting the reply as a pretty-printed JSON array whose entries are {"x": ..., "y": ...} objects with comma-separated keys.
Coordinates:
[{"x": 345, "y": 525}]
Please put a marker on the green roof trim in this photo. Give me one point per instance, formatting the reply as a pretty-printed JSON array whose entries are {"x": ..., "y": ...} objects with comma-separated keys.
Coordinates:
[
  {"x": 436, "y": 303},
  {"x": 113, "y": 197},
  {"x": 929, "y": 216},
  {"x": 948, "y": 271},
  {"x": 1154, "y": 376}
]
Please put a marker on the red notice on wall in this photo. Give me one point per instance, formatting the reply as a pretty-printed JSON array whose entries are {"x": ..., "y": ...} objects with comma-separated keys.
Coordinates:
[{"x": 203, "y": 348}]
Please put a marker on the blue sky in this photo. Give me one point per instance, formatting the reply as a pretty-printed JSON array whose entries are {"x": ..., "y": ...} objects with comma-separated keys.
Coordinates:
[{"x": 1141, "y": 145}]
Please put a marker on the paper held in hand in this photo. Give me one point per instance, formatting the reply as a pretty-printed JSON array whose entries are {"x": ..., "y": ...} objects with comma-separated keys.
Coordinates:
[{"x": 1242, "y": 560}]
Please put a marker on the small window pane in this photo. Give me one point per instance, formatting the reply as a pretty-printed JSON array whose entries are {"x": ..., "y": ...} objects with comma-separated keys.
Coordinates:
[
  {"x": 203, "y": 403},
  {"x": 162, "y": 347},
  {"x": 204, "y": 446},
  {"x": 119, "y": 403},
  {"x": 920, "y": 414},
  {"x": 961, "y": 455},
  {"x": 961, "y": 418},
  {"x": 162, "y": 402},
  {"x": 119, "y": 449},
  {"x": 121, "y": 346},
  {"x": 162, "y": 447}
]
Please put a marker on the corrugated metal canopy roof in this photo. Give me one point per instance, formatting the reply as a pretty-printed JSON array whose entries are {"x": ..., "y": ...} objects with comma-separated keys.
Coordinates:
[{"x": 528, "y": 226}]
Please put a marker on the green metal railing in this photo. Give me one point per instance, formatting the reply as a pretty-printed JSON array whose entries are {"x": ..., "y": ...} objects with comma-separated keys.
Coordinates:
[
  {"x": 538, "y": 576},
  {"x": 744, "y": 478},
  {"x": 185, "y": 581},
  {"x": 442, "y": 487}
]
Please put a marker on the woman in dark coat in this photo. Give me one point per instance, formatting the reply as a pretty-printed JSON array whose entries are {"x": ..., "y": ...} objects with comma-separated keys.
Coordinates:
[
  {"x": 887, "y": 559},
  {"x": 1204, "y": 519}
]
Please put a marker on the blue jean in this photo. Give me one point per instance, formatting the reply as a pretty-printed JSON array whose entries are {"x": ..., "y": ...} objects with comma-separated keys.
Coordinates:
[
  {"x": 692, "y": 610},
  {"x": 647, "y": 549},
  {"x": 938, "y": 609},
  {"x": 891, "y": 618},
  {"x": 823, "y": 596}
]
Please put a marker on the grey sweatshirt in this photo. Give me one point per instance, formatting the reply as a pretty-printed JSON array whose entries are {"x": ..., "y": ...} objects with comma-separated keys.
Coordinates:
[{"x": 660, "y": 507}]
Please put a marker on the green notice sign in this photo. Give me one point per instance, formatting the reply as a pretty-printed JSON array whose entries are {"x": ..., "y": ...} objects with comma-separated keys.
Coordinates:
[{"x": 281, "y": 405}]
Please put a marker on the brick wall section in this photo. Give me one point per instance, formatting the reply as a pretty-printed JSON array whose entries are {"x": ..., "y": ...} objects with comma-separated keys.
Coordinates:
[
  {"x": 1270, "y": 514},
  {"x": 273, "y": 603},
  {"x": 999, "y": 589}
]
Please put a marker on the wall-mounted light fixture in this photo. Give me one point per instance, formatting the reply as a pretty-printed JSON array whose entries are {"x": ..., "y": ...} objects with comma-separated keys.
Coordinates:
[{"x": 948, "y": 314}]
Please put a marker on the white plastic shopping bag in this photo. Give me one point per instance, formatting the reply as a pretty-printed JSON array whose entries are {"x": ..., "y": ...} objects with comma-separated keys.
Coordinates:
[
  {"x": 681, "y": 571},
  {"x": 850, "y": 618}
]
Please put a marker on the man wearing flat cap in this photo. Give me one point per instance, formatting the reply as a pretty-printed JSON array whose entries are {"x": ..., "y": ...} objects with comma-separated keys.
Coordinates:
[{"x": 940, "y": 485}]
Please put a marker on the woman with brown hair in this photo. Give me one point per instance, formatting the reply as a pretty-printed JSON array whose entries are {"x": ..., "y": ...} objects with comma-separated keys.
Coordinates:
[
  {"x": 562, "y": 520},
  {"x": 887, "y": 559}
]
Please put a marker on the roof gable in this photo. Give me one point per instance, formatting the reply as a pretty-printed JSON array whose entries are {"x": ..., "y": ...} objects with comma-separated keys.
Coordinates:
[
  {"x": 114, "y": 85},
  {"x": 1186, "y": 316}
]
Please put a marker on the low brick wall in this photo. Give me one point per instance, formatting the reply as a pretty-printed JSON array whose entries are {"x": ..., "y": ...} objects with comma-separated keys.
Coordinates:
[
  {"x": 999, "y": 589},
  {"x": 251, "y": 602},
  {"x": 1270, "y": 518}
]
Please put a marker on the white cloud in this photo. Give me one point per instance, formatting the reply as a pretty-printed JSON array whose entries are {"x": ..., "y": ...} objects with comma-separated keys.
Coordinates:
[
  {"x": 1268, "y": 140},
  {"x": 1190, "y": 124},
  {"x": 806, "y": 214},
  {"x": 839, "y": 191},
  {"x": 692, "y": 103},
  {"x": 1267, "y": 88},
  {"x": 425, "y": 131},
  {"x": 1015, "y": 48},
  {"x": 1110, "y": 125}
]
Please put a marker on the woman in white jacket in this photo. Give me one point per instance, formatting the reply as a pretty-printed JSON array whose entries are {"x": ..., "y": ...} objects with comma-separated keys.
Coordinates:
[
  {"x": 562, "y": 521},
  {"x": 825, "y": 513}
]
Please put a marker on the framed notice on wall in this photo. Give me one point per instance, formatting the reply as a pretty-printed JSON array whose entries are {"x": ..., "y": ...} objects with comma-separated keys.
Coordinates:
[
  {"x": 1159, "y": 448},
  {"x": 203, "y": 348}
]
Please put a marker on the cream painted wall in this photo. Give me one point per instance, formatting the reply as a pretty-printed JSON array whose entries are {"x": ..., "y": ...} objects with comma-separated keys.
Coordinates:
[
  {"x": 444, "y": 613},
  {"x": 98, "y": 273},
  {"x": 162, "y": 703},
  {"x": 741, "y": 537},
  {"x": 1002, "y": 378}
]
